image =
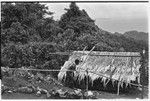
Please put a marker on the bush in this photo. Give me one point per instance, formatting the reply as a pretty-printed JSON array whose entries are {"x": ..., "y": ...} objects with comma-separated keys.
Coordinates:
[{"x": 34, "y": 54}]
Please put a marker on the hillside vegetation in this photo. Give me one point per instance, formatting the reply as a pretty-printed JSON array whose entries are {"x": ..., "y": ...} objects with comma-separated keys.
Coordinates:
[
  {"x": 26, "y": 35},
  {"x": 141, "y": 36}
]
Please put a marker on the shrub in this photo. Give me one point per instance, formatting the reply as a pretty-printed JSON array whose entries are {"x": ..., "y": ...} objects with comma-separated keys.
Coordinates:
[{"x": 35, "y": 54}]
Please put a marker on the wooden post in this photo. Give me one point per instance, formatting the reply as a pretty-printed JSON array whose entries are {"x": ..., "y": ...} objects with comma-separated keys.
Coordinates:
[
  {"x": 142, "y": 72},
  {"x": 118, "y": 88},
  {"x": 87, "y": 80}
]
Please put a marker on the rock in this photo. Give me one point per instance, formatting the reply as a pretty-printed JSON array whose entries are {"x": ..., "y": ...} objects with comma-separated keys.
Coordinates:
[
  {"x": 6, "y": 89},
  {"x": 32, "y": 87},
  {"x": 88, "y": 94},
  {"x": 139, "y": 88},
  {"x": 72, "y": 95},
  {"x": 48, "y": 95},
  {"x": 56, "y": 95},
  {"x": 15, "y": 90},
  {"x": 78, "y": 91},
  {"x": 96, "y": 94},
  {"x": 10, "y": 92},
  {"x": 91, "y": 94},
  {"x": 38, "y": 93},
  {"x": 52, "y": 92},
  {"x": 61, "y": 93},
  {"x": 43, "y": 91},
  {"x": 25, "y": 90},
  {"x": 39, "y": 81}
]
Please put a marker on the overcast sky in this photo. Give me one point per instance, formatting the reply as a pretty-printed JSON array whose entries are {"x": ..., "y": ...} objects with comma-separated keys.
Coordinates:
[{"x": 113, "y": 17}]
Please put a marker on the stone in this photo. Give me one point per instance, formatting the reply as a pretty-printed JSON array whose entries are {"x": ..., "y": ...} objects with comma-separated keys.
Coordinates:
[
  {"x": 25, "y": 90},
  {"x": 78, "y": 91},
  {"x": 10, "y": 92},
  {"x": 38, "y": 93},
  {"x": 48, "y": 95}
]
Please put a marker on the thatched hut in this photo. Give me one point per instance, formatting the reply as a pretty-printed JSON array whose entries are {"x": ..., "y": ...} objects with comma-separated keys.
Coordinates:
[{"x": 114, "y": 66}]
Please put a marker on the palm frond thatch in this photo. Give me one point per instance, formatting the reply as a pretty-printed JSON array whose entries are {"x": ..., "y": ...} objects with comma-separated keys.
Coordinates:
[{"x": 120, "y": 66}]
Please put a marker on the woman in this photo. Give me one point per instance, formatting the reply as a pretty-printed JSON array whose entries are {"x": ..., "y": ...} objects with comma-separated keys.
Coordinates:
[{"x": 70, "y": 74}]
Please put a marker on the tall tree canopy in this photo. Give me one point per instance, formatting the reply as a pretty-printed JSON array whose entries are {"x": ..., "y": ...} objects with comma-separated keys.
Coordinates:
[{"x": 25, "y": 22}]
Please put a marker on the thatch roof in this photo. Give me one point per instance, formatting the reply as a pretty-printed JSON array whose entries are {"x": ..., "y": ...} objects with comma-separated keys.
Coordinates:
[{"x": 120, "y": 66}]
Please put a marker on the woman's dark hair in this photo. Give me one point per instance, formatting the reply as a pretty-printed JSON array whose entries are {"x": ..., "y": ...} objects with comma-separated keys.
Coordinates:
[{"x": 77, "y": 61}]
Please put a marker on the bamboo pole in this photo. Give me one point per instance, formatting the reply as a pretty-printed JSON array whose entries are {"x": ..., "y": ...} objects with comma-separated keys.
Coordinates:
[
  {"x": 84, "y": 49},
  {"x": 87, "y": 56}
]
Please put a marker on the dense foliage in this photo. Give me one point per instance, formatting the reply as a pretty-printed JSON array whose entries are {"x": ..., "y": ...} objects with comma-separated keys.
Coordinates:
[
  {"x": 32, "y": 54},
  {"x": 28, "y": 36}
]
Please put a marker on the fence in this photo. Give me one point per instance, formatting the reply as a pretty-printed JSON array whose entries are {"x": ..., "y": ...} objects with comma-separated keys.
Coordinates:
[{"x": 88, "y": 71}]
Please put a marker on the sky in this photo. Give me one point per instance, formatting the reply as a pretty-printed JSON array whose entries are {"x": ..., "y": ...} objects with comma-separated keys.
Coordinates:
[{"x": 113, "y": 17}]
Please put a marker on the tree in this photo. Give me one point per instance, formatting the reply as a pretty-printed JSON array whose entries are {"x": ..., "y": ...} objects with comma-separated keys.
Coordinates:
[
  {"x": 77, "y": 24},
  {"x": 21, "y": 20},
  {"x": 76, "y": 19}
]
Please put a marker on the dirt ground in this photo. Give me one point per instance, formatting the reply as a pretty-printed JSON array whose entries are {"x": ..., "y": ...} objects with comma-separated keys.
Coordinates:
[
  {"x": 103, "y": 95},
  {"x": 133, "y": 94}
]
